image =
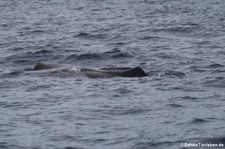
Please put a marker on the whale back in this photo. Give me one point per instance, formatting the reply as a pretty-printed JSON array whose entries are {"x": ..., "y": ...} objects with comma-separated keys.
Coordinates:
[{"x": 133, "y": 72}]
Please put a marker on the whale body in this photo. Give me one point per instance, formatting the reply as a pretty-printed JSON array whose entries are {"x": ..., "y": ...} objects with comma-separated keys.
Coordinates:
[{"x": 94, "y": 73}]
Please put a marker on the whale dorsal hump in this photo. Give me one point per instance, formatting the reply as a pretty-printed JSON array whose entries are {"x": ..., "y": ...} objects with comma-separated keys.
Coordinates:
[{"x": 134, "y": 72}]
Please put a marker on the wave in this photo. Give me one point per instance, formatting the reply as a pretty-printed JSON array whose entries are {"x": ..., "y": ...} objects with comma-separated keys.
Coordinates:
[
  {"x": 153, "y": 38},
  {"x": 84, "y": 35},
  {"x": 11, "y": 74},
  {"x": 199, "y": 121},
  {"x": 174, "y": 105},
  {"x": 116, "y": 53},
  {"x": 214, "y": 65},
  {"x": 215, "y": 82},
  {"x": 31, "y": 57},
  {"x": 121, "y": 111},
  {"x": 31, "y": 32},
  {"x": 112, "y": 54},
  {"x": 186, "y": 28},
  {"x": 173, "y": 74},
  {"x": 87, "y": 56}
]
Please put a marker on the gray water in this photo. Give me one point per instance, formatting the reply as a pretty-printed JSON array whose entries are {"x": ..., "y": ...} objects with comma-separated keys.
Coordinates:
[{"x": 179, "y": 43}]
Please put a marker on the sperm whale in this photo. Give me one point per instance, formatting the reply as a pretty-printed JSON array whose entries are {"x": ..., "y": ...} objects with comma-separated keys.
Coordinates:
[{"x": 96, "y": 73}]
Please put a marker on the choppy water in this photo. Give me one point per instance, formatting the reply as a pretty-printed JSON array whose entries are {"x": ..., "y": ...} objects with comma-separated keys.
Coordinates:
[{"x": 179, "y": 43}]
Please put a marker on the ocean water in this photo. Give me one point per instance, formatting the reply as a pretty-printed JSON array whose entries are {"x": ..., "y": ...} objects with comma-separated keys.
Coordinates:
[{"x": 179, "y": 43}]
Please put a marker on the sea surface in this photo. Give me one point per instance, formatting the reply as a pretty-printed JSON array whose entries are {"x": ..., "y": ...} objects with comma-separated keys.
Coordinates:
[{"x": 179, "y": 43}]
